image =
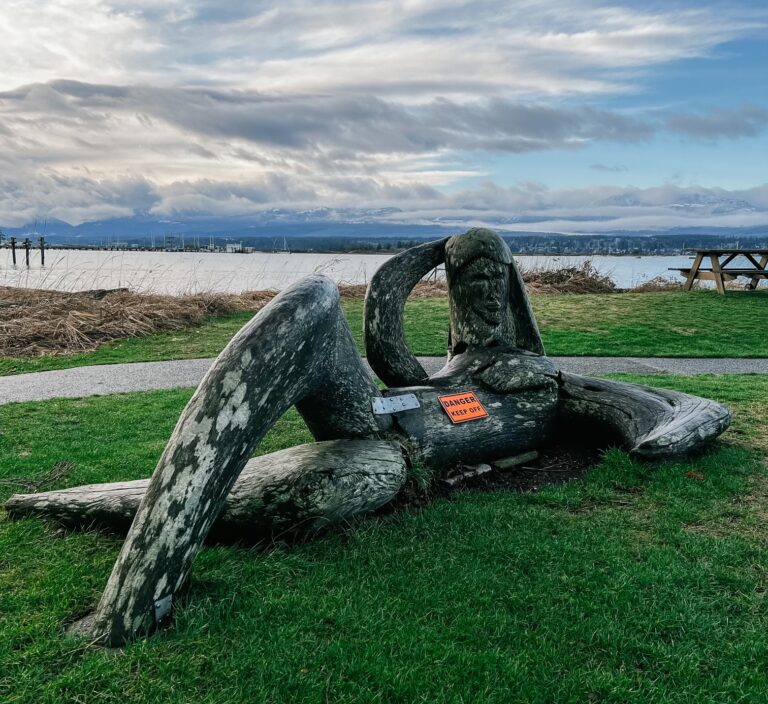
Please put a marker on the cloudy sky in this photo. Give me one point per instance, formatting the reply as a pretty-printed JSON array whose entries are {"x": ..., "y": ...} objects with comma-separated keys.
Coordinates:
[{"x": 572, "y": 115}]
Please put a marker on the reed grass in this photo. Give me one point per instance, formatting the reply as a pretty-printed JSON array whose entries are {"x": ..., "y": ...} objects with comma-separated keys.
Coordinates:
[{"x": 35, "y": 322}]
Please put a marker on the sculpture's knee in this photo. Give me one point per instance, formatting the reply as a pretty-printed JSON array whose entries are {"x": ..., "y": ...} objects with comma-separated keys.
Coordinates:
[
  {"x": 337, "y": 386},
  {"x": 307, "y": 312}
]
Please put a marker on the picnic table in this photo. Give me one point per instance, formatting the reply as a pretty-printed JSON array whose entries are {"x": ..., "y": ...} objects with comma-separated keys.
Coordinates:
[{"x": 721, "y": 267}]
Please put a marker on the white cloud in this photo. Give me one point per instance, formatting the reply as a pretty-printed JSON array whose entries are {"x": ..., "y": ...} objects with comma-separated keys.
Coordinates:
[
  {"x": 111, "y": 107},
  {"x": 438, "y": 48},
  {"x": 78, "y": 39},
  {"x": 534, "y": 207}
]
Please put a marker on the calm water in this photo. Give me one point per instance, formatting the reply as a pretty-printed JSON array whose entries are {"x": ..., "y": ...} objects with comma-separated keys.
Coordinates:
[{"x": 188, "y": 272}]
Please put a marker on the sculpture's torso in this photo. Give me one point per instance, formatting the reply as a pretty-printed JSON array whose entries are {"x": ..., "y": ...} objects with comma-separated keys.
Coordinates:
[{"x": 519, "y": 391}]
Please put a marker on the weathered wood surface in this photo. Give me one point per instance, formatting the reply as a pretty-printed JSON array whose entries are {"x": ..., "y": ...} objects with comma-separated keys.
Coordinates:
[
  {"x": 298, "y": 490},
  {"x": 488, "y": 301},
  {"x": 469, "y": 260},
  {"x": 385, "y": 346},
  {"x": 288, "y": 352},
  {"x": 299, "y": 351},
  {"x": 653, "y": 423},
  {"x": 721, "y": 271},
  {"x": 519, "y": 390}
]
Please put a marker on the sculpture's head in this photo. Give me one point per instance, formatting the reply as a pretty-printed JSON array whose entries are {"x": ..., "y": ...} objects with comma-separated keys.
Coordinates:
[
  {"x": 477, "y": 266},
  {"x": 489, "y": 303}
]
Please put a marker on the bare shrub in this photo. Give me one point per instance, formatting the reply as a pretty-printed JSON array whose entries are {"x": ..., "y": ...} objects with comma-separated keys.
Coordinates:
[
  {"x": 659, "y": 283},
  {"x": 584, "y": 278}
]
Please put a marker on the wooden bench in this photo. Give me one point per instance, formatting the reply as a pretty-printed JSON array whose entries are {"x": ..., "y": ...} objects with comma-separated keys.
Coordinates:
[{"x": 720, "y": 272}]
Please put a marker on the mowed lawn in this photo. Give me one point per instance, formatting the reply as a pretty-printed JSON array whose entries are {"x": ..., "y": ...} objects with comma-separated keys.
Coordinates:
[
  {"x": 641, "y": 583},
  {"x": 669, "y": 323}
]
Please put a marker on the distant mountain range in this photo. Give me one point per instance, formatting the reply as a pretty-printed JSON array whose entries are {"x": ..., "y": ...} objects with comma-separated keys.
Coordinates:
[
  {"x": 381, "y": 223},
  {"x": 275, "y": 223}
]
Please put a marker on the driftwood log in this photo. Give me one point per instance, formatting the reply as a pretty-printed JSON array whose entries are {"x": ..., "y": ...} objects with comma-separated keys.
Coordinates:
[
  {"x": 652, "y": 423},
  {"x": 298, "y": 350},
  {"x": 302, "y": 489}
]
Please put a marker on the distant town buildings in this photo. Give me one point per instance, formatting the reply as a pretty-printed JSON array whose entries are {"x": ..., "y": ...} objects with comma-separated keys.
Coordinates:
[{"x": 529, "y": 244}]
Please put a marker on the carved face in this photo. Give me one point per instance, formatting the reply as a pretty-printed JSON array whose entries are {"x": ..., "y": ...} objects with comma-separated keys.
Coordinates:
[
  {"x": 479, "y": 294},
  {"x": 483, "y": 284}
]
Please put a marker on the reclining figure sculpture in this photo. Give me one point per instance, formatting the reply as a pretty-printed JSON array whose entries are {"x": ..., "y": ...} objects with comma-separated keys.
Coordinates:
[{"x": 298, "y": 350}]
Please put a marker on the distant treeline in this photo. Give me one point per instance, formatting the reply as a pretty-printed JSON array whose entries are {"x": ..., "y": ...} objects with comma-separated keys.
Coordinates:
[{"x": 526, "y": 244}]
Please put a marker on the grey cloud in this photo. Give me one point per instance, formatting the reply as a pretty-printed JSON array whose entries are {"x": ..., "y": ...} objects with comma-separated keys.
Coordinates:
[
  {"x": 609, "y": 168},
  {"x": 259, "y": 191},
  {"x": 335, "y": 128},
  {"x": 355, "y": 124},
  {"x": 529, "y": 206},
  {"x": 525, "y": 207},
  {"x": 534, "y": 207},
  {"x": 25, "y": 196},
  {"x": 553, "y": 39},
  {"x": 746, "y": 121},
  {"x": 310, "y": 150},
  {"x": 535, "y": 197}
]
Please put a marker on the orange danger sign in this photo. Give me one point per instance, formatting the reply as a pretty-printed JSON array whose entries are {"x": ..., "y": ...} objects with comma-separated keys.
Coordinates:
[{"x": 462, "y": 407}]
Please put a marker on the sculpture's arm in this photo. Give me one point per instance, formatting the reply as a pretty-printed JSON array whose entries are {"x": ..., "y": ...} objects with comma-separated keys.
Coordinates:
[
  {"x": 652, "y": 423},
  {"x": 385, "y": 346}
]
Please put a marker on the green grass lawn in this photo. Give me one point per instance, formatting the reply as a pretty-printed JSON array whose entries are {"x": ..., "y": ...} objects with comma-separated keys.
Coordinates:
[
  {"x": 674, "y": 324},
  {"x": 641, "y": 583}
]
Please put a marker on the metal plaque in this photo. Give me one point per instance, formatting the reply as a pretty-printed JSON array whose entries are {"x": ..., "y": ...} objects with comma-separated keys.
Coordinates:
[
  {"x": 163, "y": 608},
  {"x": 384, "y": 405}
]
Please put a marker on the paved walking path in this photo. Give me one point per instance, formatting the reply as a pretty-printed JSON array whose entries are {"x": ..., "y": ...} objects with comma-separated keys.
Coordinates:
[{"x": 144, "y": 376}]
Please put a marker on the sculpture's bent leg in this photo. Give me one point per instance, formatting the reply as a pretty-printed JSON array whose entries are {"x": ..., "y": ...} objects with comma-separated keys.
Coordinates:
[
  {"x": 301, "y": 489},
  {"x": 287, "y": 352},
  {"x": 652, "y": 423}
]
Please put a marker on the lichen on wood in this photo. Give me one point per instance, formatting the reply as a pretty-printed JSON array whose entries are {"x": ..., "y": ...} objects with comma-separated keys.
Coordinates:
[{"x": 295, "y": 491}]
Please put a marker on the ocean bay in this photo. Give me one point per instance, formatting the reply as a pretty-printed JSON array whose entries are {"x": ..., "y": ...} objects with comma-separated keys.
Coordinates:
[{"x": 192, "y": 272}]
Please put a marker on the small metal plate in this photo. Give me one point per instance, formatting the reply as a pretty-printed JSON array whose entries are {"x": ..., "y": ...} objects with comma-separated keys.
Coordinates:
[
  {"x": 163, "y": 608},
  {"x": 384, "y": 405}
]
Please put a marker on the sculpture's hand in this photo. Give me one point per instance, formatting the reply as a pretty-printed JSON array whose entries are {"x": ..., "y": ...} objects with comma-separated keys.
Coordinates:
[
  {"x": 503, "y": 370},
  {"x": 511, "y": 373}
]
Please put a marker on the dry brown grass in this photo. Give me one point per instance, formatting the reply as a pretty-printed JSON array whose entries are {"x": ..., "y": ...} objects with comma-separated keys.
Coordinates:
[
  {"x": 35, "y": 322},
  {"x": 570, "y": 279},
  {"x": 665, "y": 283},
  {"x": 573, "y": 279},
  {"x": 660, "y": 283},
  {"x": 423, "y": 289}
]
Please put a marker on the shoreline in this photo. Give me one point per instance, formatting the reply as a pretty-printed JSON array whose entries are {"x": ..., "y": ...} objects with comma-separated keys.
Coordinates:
[{"x": 187, "y": 272}]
